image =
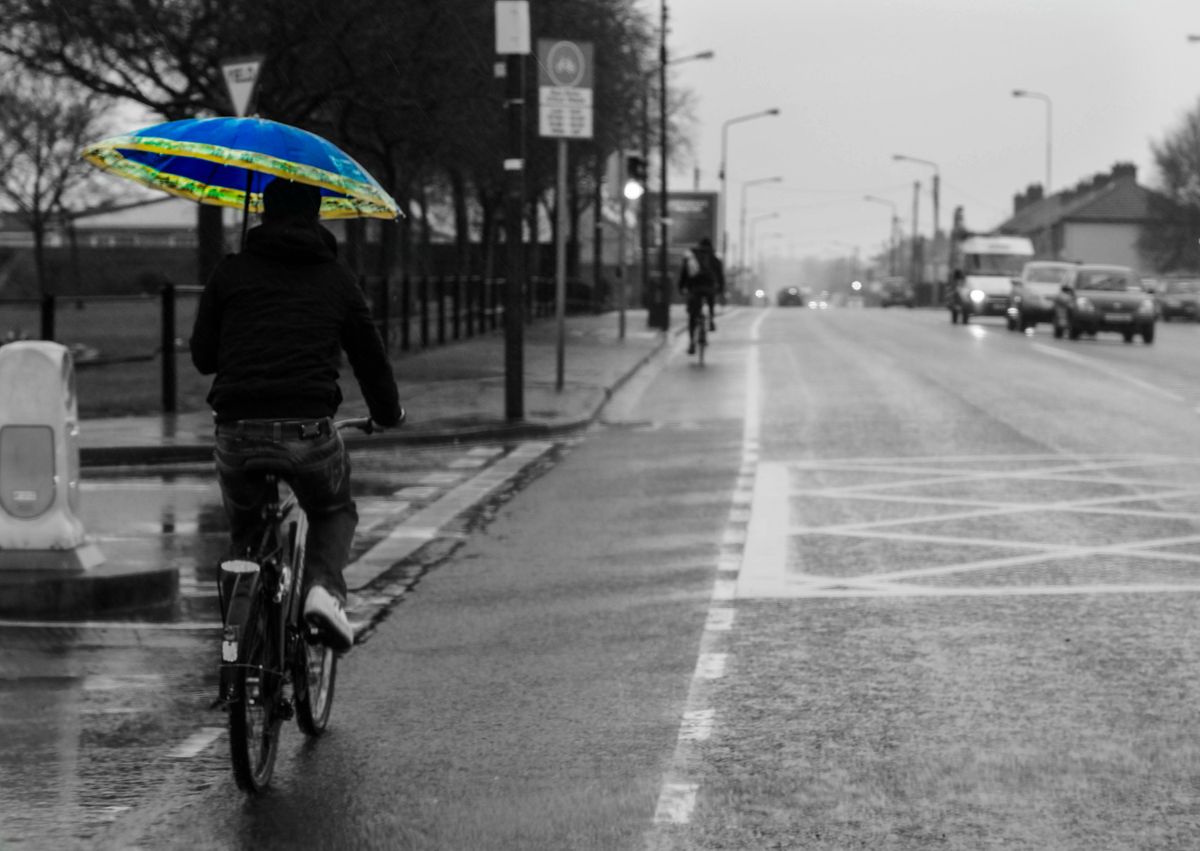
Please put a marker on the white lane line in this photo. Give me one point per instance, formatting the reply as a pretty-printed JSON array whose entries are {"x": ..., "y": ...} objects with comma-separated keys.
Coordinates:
[
  {"x": 697, "y": 725},
  {"x": 719, "y": 620},
  {"x": 675, "y": 803},
  {"x": 712, "y": 665},
  {"x": 195, "y": 743},
  {"x": 808, "y": 590},
  {"x": 677, "y": 797},
  {"x": 1104, "y": 369}
]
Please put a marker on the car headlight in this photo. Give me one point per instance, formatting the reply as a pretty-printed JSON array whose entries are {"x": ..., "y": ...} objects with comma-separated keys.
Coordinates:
[
  {"x": 978, "y": 296},
  {"x": 1085, "y": 304},
  {"x": 1146, "y": 307}
]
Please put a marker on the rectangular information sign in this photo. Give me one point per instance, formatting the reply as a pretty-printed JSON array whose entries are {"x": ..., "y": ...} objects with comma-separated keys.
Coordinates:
[{"x": 565, "y": 82}]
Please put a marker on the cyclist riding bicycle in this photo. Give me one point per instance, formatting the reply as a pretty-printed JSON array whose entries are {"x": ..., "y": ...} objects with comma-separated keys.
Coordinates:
[
  {"x": 701, "y": 278},
  {"x": 269, "y": 327}
]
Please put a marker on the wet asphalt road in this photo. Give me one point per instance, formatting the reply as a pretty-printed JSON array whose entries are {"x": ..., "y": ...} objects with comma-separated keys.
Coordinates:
[{"x": 866, "y": 580}]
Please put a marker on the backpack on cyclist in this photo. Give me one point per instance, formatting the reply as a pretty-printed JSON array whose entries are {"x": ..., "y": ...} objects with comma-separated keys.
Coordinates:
[{"x": 700, "y": 270}]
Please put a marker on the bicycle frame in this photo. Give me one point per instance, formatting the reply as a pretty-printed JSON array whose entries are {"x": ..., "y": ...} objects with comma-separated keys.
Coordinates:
[
  {"x": 267, "y": 577},
  {"x": 274, "y": 667}
]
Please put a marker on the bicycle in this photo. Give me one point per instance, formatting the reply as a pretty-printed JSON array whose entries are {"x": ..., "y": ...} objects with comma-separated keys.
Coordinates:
[
  {"x": 696, "y": 314},
  {"x": 273, "y": 666}
]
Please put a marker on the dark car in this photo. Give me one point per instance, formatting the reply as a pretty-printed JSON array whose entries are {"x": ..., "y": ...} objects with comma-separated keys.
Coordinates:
[
  {"x": 790, "y": 297},
  {"x": 1035, "y": 293},
  {"x": 1105, "y": 298},
  {"x": 1179, "y": 298},
  {"x": 896, "y": 291}
]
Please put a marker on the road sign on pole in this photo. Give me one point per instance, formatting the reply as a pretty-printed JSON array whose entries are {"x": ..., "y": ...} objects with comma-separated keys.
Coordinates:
[
  {"x": 241, "y": 76},
  {"x": 565, "y": 76}
]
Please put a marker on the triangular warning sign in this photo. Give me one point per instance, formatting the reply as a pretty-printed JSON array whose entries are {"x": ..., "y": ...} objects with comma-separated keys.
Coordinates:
[{"x": 241, "y": 75}]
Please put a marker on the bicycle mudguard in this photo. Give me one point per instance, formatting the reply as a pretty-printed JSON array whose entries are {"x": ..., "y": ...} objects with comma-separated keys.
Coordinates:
[{"x": 245, "y": 580}]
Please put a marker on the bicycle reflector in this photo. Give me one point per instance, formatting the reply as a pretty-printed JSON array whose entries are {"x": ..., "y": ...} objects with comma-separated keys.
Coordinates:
[{"x": 26, "y": 470}]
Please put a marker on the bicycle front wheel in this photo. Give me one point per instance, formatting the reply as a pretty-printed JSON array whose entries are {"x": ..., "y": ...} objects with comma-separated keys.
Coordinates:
[
  {"x": 314, "y": 674},
  {"x": 254, "y": 712}
]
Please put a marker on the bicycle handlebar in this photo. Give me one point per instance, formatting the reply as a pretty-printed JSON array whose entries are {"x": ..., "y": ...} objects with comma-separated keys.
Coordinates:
[
  {"x": 363, "y": 424},
  {"x": 366, "y": 424}
]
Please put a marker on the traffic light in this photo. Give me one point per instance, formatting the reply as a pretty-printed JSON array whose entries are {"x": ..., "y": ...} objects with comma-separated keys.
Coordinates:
[{"x": 635, "y": 176}]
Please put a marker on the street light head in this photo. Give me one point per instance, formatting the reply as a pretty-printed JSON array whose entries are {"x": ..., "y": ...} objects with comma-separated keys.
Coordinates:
[
  {"x": 1018, "y": 93},
  {"x": 773, "y": 111},
  {"x": 705, "y": 54}
]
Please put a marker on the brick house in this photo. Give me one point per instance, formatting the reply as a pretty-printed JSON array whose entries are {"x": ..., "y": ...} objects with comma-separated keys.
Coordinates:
[{"x": 1097, "y": 221}]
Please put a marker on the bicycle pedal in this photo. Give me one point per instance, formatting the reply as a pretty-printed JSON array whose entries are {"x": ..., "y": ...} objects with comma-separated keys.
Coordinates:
[{"x": 286, "y": 711}]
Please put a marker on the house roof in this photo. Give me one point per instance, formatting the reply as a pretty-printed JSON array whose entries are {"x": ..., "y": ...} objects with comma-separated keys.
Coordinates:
[{"x": 1106, "y": 198}]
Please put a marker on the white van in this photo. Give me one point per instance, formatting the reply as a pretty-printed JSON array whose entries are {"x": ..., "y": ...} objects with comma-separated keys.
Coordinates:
[{"x": 984, "y": 269}]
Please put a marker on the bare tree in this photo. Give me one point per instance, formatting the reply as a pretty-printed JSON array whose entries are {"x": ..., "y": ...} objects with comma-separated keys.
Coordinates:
[
  {"x": 1170, "y": 238},
  {"x": 43, "y": 125}
]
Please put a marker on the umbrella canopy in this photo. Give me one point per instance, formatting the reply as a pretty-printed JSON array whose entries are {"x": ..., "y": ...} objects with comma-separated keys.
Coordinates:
[{"x": 228, "y": 162}]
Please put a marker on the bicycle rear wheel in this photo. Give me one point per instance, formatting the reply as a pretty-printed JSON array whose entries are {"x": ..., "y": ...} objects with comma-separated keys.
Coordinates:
[
  {"x": 254, "y": 712},
  {"x": 701, "y": 341},
  {"x": 314, "y": 674}
]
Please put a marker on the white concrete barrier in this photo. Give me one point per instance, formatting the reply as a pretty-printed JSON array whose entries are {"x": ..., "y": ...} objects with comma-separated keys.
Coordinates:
[{"x": 39, "y": 460}]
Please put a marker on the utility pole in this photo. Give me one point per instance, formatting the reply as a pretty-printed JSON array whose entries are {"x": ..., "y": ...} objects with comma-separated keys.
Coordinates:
[
  {"x": 915, "y": 258},
  {"x": 662, "y": 298},
  {"x": 513, "y": 41}
]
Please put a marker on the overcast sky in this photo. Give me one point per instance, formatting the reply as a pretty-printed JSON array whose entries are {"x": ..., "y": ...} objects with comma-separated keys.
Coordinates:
[{"x": 857, "y": 81}]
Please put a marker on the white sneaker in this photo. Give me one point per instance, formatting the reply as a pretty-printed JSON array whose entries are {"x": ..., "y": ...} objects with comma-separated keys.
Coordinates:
[{"x": 325, "y": 612}]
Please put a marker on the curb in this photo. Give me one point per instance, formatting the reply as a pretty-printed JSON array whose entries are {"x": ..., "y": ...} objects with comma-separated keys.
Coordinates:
[
  {"x": 160, "y": 455},
  {"x": 73, "y": 596},
  {"x": 137, "y": 588}
]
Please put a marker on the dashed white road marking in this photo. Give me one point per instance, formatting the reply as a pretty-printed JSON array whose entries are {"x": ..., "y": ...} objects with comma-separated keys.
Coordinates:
[
  {"x": 675, "y": 803},
  {"x": 697, "y": 725},
  {"x": 195, "y": 743},
  {"x": 719, "y": 620},
  {"x": 711, "y": 665},
  {"x": 677, "y": 796}
]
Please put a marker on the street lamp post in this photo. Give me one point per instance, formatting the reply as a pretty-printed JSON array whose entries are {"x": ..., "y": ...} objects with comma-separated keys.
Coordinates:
[
  {"x": 742, "y": 228},
  {"x": 721, "y": 198},
  {"x": 892, "y": 235},
  {"x": 937, "y": 177},
  {"x": 754, "y": 222},
  {"x": 1024, "y": 93},
  {"x": 656, "y": 300}
]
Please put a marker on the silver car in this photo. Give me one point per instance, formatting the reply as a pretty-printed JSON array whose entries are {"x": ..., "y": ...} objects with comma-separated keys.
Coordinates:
[{"x": 1035, "y": 292}]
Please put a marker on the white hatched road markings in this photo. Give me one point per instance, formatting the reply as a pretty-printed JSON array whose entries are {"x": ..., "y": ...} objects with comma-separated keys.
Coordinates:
[{"x": 771, "y": 571}]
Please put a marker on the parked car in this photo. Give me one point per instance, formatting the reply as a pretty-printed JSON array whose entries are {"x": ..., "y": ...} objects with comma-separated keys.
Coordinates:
[
  {"x": 896, "y": 291},
  {"x": 790, "y": 297},
  {"x": 1178, "y": 298},
  {"x": 1105, "y": 298},
  {"x": 1035, "y": 292}
]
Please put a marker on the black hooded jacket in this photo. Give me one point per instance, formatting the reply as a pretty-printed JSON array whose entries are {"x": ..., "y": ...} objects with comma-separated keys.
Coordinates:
[{"x": 271, "y": 321}]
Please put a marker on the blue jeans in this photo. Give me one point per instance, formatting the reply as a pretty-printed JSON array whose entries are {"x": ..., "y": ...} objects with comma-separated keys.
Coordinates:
[{"x": 320, "y": 482}]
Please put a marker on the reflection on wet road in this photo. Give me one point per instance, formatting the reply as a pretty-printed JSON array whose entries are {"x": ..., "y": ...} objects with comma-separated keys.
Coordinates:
[{"x": 94, "y": 713}]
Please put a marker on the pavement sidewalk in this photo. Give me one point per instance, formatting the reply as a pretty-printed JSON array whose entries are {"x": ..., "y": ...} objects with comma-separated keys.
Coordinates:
[
  {"x": 454, "y": 392},
  {"x": 451, "y": 392}
]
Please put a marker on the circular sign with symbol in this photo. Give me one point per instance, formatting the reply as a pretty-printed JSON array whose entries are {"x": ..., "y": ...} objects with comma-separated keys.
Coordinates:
[{"x": 565, "y": 64}]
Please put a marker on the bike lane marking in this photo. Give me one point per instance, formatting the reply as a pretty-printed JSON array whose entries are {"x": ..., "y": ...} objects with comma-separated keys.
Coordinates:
[{"x": 679, "y": 790}]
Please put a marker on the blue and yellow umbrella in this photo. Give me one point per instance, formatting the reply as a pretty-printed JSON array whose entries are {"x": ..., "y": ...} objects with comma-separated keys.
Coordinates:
[{"x": 228, "y": 162}]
